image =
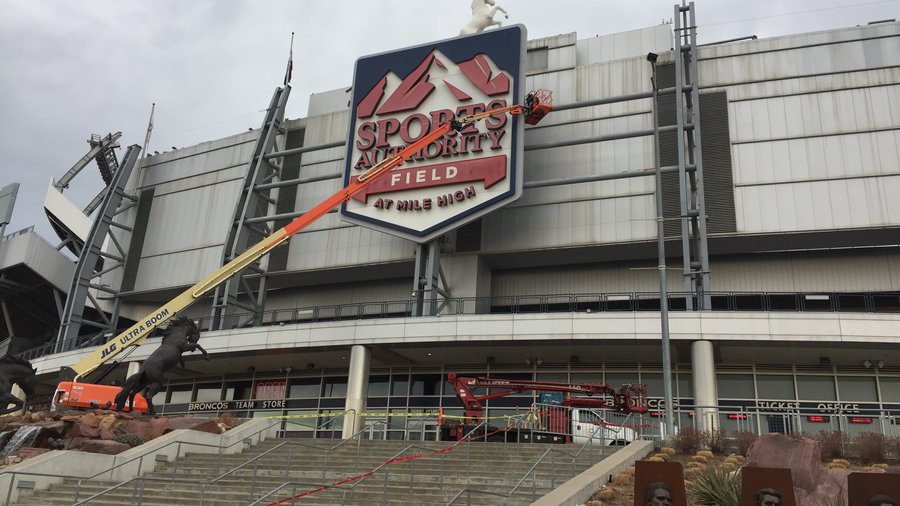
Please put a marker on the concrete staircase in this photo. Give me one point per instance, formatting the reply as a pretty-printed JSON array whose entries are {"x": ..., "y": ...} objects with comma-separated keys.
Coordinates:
[{"x": 430, "y": 480}]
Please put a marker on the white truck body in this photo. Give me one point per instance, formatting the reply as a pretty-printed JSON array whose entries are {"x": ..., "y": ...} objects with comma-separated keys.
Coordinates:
[{"x": 587, "y": 424}]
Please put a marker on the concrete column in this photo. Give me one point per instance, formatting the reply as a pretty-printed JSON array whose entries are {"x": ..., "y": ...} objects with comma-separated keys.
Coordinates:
[
  {"x": 7, "y": 317},
  {"x": 133, "y": 368},
  {"x": 357, "y": 390},
  {"x": 19, "y": 393},
  {"x": 706, "y": 394}
]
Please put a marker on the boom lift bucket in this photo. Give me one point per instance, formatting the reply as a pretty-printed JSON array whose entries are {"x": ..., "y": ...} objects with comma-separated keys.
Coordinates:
[{"x": 538, "y": 104}]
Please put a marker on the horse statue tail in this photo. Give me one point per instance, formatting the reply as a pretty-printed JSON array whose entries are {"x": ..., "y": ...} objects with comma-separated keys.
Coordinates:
[{"x": 130, "y": 388}]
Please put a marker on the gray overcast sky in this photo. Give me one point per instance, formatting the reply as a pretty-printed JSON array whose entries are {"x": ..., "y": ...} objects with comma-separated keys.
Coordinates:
[{"x": 69, "y": 69}]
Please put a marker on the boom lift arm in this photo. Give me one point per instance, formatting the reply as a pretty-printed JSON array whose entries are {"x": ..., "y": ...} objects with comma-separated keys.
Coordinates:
[
  {"x": 537, "y": 105},
  {"x": 631, "y": 398}
]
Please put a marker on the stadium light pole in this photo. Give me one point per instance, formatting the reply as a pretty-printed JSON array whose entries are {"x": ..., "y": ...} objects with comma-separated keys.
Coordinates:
[{"x": 661, "y": 252}]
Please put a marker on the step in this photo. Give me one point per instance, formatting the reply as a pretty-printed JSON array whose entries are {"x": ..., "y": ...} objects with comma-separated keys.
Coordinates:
[
  {"x": 359, "y": 495},
  {"x": 435, "y": 478}
]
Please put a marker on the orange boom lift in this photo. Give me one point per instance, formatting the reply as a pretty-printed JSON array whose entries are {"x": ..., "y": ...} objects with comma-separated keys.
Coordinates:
[{"x": 537, "y": 105}]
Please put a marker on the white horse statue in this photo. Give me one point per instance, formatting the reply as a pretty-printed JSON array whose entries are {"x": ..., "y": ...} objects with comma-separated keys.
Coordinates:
[{"x": 483, "y": 16}]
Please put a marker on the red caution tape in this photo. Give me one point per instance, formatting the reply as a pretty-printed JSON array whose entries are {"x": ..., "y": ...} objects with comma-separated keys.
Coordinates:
[{"x": 395, "y": 460}]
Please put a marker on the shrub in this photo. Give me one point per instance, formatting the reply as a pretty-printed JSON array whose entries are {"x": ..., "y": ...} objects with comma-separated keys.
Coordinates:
[
  {"x": 870, "y": 447},
  {"x": 131, "y": 440},
  {"x": 833, "y": 444},
  {"x": 715, "y": 440},
  {"x": 696, "y": 465},
  {"x": 893, "y": 447},
  {"x": 716, "y": 487},
  {"x": 733, "y": 460},
  {"x": 622, "y": 479},
  {"x": 839, "y": 464},
  {"x": 688, "y": 441},
  {"x": 744, "y": 440}
]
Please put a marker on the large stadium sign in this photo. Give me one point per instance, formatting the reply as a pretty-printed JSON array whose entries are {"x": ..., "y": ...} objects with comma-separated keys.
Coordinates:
[{"x": 399, "y": 97}]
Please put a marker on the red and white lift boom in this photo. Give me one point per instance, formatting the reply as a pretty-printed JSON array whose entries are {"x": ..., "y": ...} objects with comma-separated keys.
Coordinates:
[
  {"x": 537, "y": 105},
  {"x": 630, "y": 398}
]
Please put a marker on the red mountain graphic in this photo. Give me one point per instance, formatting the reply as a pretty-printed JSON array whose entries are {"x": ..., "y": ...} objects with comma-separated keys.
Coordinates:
[{"x": 416, "y": 87}]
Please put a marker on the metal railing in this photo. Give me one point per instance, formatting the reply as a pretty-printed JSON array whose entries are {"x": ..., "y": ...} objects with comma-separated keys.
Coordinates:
[
  {"x": 549, "y": 455},
  {"x": 345, "y": 489},
  {"x": 864, "y": 302},
  {"x": 797, "y": 420},
  {"x": 139, "y": 458},
  {"x": 730, "y": 418},
  {"x": 137, "y": 482}
]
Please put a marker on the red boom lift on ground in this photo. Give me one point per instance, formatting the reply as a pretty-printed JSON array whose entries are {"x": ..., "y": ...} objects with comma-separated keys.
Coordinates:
[{"x": 629, "y": 398}]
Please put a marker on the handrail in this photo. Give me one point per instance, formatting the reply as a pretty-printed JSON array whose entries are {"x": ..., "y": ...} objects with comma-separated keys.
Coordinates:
[
  {"x": 229, "y": 472},
  {"x": 155, "y": 450},
  {"x": 539, "y": 461},
  {"x": 254, "y": 459},
  {"x": 470, "y": 490},
  {"x": 590, "y": 441},
  {"x": 356, "y": 480},
  {"x": 134, "y": 479},
  {"x": 379, "y": 467},
  {"x": 140, "y": 457},
  {"x": 327, "y": 486}
]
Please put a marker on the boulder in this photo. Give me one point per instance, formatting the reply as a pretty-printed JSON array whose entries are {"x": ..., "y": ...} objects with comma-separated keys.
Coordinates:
[
  {"x": 90, "y": 419},
  {"x": 108, "y": 421},
  {"x": 226, "y": 420},
  {"x": 160, "y": 425},
  {"x": 8, "y": 461},
  {"x": 78, "y": 430},
  {"x": 53, "y": 428},
  {"x": 108, "y": 425},
  {"x": 27, "y": 453},
  {"x": 802, "y": 456},
  {"x": 5, "y": 437},
  {"x": 75, "y": 442},
  {"x": 102, "y": 446},
  {"x": 146, "y": 430},
  {"x": 83, "y": 430},
  {"x": 813, "y": 483},
  {"x": 193, "y": 423},
  {"x": 832, "y": 486}
]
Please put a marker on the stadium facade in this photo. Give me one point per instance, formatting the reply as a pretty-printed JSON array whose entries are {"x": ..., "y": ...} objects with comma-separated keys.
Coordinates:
[{"x": 796, "y": 327}]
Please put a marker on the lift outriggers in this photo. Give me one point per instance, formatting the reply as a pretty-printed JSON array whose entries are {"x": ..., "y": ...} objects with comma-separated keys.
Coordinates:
[{"x": 537, "y": 105}]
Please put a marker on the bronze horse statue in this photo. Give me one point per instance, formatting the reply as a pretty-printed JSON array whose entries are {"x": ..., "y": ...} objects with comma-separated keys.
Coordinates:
[
  {"x": 180, "y": 336},
  {"x": 15, "y": 371}
]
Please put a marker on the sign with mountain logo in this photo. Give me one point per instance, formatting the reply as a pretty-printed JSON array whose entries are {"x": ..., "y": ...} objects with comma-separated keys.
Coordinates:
[{"x": 400, "y": 96}]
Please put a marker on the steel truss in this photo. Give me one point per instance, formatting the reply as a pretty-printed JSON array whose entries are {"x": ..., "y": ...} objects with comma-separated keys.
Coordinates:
[
  {"x": 258, "y": 198},
  {"x": 429, "y": 280},
  {"x": 92, "y": 261},
  {"x": 255, "y": 210},
  {"x": 694, "y": 241}
]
